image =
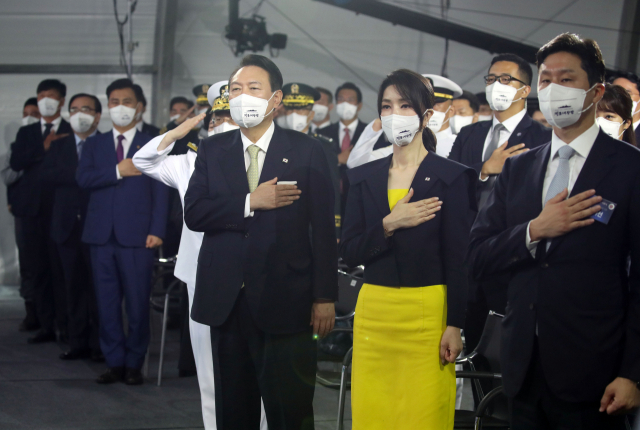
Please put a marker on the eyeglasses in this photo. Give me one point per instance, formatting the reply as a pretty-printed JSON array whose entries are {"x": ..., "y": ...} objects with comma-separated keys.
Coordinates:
[
  {"x": 503, "y": 79},
  {"x": 83, "y": 109}
]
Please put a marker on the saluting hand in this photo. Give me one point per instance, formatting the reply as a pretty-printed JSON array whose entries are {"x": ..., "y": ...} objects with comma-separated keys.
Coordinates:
[
  {"x": 185, "y": 115},
  {"x": 180, "y": 131},
  {"x": 407, "y": 215}
]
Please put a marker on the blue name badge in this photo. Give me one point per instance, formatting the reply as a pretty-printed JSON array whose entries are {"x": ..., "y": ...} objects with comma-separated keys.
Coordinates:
[{"x": 606, "y": 210}]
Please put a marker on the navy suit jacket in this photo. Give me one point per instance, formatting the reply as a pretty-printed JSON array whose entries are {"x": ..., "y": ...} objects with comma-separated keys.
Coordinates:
[
  {"x": 131, "y": 208},
  {"x": 333, "y": 131},
  {"x": 31, "y": 195},
  {"x": 432, "y": 253},
  {"x": 69, "y": 200},
  {"x": 286, "y": 257},
  {"x": 579, "y": 294},
  {"x": 150, "y": 130}
]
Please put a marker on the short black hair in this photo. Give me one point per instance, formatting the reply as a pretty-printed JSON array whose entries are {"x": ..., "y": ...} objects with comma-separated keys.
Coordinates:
[
  {"x": 327, "y": 92},
  {"x": 629, "y": 76},
  {"x": 180, "y": 99},
  {"x": 275, "y": 77},
  {"x": 30, "y": 101},
  {"x": 417, "y": 90},
  {"x": 524, "y": 68},
  {"x": 587, "y": 50},
  {"x": 140, "y": 94},
  {"x": 474, "y": 103},
  {"x": 350, "y": 86},
  {"x": 482, "y": 98},
  {"x": 92, "y": 97},
  {"x": 52, "y": 84},
  {"x": 121, "y": 84}
]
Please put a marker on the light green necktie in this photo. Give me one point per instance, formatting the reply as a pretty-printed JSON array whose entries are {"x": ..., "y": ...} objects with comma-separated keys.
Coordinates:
[{"x": 253, "y": 174}]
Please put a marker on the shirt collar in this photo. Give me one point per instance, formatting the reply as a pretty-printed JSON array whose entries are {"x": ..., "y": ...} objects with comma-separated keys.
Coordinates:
[
  {"x": 262, "y": 143},
  {"x": 323, "y": 125},
  {"x": 511, "y": 123},
  {"x": 56, "y": 122},
  {"x": 351, "y": 127},
  {"x": 581, "y": 144},
  {"x": 78, "y": 139},
  {"x": 128, "y": 135}
]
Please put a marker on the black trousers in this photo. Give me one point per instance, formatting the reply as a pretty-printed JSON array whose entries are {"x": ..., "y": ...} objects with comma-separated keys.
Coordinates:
[
  {"x": 536, "y": 407},
  {"x": 249, "y": 364},
  {"x": 82, "y": 307},
  {"x": 186, "y": 361},
  {"x": 46, "y": 280}
]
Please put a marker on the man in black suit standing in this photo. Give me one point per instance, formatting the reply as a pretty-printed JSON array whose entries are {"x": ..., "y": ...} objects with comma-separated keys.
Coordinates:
[
  {"x": 143, "y": 127},
  {"x": 485, "y": 146},
  {"x": 69, "y": 211},
  {"x": 571, "y": 334},
  {"x": 267, "y": 270},
  {"x": 33, "y": 202}
]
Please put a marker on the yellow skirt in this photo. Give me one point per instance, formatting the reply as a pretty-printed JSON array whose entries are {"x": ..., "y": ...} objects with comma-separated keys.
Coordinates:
[{"x": 397, "y": 379}]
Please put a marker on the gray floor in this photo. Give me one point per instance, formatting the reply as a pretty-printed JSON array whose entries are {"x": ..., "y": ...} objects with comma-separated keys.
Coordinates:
[{"x": 40, "y": 391}]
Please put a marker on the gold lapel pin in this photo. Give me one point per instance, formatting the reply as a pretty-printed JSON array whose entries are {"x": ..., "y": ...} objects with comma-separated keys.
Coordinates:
[
  {"x": 284, "y": 160},
  {"x": 427, "y": 178},
  {"x": 137, "y": 146}
]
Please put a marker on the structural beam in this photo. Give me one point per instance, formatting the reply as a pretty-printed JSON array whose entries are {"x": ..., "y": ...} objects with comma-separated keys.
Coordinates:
[
  {"x": 438, "y": 27},
  {"x": 165, "y": 34},
  {"x": 77, "y": 69},
  {"x": 629, "y": 37}
]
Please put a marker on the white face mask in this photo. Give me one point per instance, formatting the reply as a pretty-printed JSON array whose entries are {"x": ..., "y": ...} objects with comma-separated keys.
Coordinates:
[
  {"x": 282, "y": 121},
  {"x": 122, "y": 115},
  {"x": 400, "y": 129},
  {"x": 174, "y": 117},
  {"x": 500, "y": 96},
  {"x": 81, "y": 122},
  {"x": 248, "y": 111},
  {"x": 297, "y": 122},
  {"x": 346, "y": 111},
  {"x": 48, "y": 106},
  {"x": 612, "y": 128},
  {"x": 321, "y": 112},
  {"x": 562, "y": 106},
  {"x": 459, "y": 121},
  {"x": 28, "y": 120},
  {"x": 437, "y": 120},
  {"x": 225, "y": 126},
  {"x": 485, "y": 117}
]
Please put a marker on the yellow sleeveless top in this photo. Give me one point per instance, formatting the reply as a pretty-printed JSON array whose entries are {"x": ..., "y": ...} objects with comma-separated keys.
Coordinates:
[{"x": 395, "y": 196}]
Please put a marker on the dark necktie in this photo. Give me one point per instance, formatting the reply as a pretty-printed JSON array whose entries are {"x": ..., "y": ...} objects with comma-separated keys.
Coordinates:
[
  {"x": 79, "y": 148},
  {"x": 47, "y": 130},
  {"x": 487, "y": 186},
  {"x": 120, "y": 149}
]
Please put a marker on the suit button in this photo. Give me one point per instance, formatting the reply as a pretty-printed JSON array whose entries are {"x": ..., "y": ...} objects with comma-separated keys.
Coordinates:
[
  {"x": 514, "y": 259},
  {"x": 246, "y": 235},
  {"x": 545, "y": 265},
  {"x": 79, "y": 217},
  {"x": 531, "y": 306}
]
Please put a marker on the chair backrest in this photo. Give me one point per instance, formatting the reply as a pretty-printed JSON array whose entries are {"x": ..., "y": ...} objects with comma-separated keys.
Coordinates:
[
  {"x": 489, "y": 344},
  {"x": 348, "y": 290}
]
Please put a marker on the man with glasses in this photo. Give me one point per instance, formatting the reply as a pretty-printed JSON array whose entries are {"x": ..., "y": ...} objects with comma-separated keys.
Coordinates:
[
  {"x": 69, "y": 211},
  {"x": 485, "y": 146}
]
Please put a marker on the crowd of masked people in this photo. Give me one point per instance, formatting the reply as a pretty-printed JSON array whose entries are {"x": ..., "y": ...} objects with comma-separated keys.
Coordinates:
[{"x": 455, "y": 204}]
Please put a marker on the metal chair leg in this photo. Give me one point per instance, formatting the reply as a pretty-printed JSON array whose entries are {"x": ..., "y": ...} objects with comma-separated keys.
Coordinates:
[
  {"x": 346, "y": 362},
  {"x": 165, "y": 316}
]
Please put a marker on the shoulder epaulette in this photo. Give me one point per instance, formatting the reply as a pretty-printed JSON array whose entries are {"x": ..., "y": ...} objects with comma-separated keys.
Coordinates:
[
  {"x": 322, "y": 137},
  {"x": 192, "y": 147}
]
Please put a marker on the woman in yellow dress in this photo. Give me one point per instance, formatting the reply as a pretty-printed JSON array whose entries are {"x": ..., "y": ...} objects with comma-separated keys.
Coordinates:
[{"x": 408, "y": 218}]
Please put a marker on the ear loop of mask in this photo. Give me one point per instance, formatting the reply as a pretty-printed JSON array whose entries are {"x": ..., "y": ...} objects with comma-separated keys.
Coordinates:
[
  {"x": 589, "y": 107},
  {"x": 513, "y": 101},
  {"x": 273, "y": 109}
]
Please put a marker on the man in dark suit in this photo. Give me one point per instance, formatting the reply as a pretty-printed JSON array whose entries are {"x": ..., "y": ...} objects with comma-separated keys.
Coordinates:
[
  {"x": 143, "y": 127},
  {"x": 485, "y": 146},
  {"x": 267, "y": 270},
  {"x": 69, "y": 212},
  {"x": 126, "y": 219},
  {"x": 631, "y": 83},
  {"x": 33, "y": 203},
  {"x": 571, "y": 334}
]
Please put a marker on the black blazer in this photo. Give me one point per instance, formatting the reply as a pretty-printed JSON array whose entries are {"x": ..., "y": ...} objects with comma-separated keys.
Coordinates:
[
  {"x": 332, "y": 162},
  {"x": 432, "y": 253},
  {"x": 333, "y": 131},
  {"x": 638, "y": 136},
  {"x": 69, "y": 200},
  {"x": 469, "y": 144},
  {"x": 31, "y": 195},
  {"x": 287, "y": 257},
  {"x": 585, "y": 305},
  {"x": 150, "y": 130}
]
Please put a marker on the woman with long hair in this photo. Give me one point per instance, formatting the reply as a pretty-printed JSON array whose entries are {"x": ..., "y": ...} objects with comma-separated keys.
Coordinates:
[
  {"x": 408, "y": 218},
  {"x": 614, "y": 114}
]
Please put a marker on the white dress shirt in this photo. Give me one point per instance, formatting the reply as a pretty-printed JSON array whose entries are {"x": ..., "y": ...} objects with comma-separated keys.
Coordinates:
[
  {"x": 582, "y": 146},
  {"x": 444, "y": 142},
  {"x": 56, "y": 124},
  {"x": 352, "y": 130},
  {"x": 315, "y": 127},
  {"x": 509, "y": 126},
  {"x": 263, "y": 144},
  {"x": 126, "y": 144}
]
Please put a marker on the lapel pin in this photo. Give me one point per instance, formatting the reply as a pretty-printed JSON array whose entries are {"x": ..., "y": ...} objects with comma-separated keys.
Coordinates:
[
  {"x": 284, "y": 160},
  {"x": 427, "y": 178},
  {"x": 137, "y": 146},
  {"x": 519, "y": 134}
]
